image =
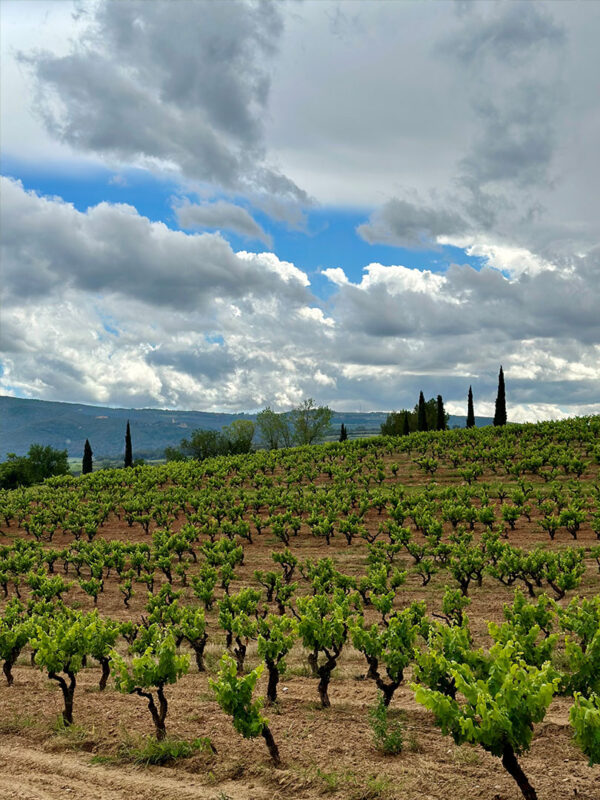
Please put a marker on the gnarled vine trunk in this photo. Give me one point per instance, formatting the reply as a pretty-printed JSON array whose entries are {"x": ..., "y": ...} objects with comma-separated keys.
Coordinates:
[
  {"x": 324, "y": 673},
  {"x": 9, "y": 664},
  {"x": 68, "y": 690},
  {"x": 512, "y": 766},
  {"x": 273, "y": 681},
  {"x": 105, "y": 664},
  {"x": 198, "y": 648},
  {"x": 158, "y": 714},
  {"x": 273, "y": 749}
]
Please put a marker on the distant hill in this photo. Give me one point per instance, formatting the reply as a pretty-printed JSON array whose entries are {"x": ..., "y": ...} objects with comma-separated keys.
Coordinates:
[{"x": 68, "y": 425}]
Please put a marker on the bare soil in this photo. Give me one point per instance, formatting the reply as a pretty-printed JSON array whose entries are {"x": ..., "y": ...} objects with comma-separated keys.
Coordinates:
[{"x": 324, "y": 752}]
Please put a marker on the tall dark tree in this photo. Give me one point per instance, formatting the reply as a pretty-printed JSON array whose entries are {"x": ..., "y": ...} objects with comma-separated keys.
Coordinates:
[
  {"x": 343, "y": 433},
  {"x": 128, "y": 450},
  {"x": 440, "y": 422},
  {"x": 500, "y": 412},
  {"x": 422, "y": 414},
  {"x": 87, "y": 463},
  {"x": 393, "y": 424},
  {"x": 470, "y": 412},
  {"x": 401, "y": 423}
]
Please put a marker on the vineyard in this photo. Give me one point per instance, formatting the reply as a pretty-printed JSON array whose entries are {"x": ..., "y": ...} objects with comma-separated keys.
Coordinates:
[{"x": 411, "y": 617}]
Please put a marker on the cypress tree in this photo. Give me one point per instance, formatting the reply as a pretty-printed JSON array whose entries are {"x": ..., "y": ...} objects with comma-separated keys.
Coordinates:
[
  {"x": 406, "y": 424},
  {"x": 500, "y": 413},
  {"x": 470, "y": 412},
  {"x": 128, "y": 450},
  {"x": 343, "y": 433},
  {"x": 87, "y": 464},
  {"x": 422, "y": 414},
  {"x": 440, "y": 424}
]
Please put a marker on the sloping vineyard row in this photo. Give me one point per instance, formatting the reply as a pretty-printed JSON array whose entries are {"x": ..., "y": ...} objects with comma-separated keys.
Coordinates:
[{"x": 377, "y": 545}]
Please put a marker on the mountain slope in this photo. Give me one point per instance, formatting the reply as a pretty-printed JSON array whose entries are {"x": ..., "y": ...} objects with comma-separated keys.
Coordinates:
[{"x": 68, "y": 425}]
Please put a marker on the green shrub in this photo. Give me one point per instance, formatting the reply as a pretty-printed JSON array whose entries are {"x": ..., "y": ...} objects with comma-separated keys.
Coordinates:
[
  {"x": 150, "y": 751},
  {"x": 585, "y": 721},
  {"x": 387, "y": 735}
]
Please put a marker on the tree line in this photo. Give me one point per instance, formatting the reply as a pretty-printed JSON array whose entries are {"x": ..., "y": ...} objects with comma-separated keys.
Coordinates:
[
  {"x": 304, "y": 425},
  {"x": 431, "y": 415},
  {"x": 41, "y": 462},
  {"x": 44, "y": 461}
]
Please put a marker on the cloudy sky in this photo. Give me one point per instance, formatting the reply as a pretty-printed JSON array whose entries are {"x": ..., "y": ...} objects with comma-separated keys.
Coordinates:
[{"x": 223, "y": 205}]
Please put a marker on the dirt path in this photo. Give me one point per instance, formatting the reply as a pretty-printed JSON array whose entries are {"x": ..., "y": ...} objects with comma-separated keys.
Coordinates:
[{"x": 28, "y": 774}]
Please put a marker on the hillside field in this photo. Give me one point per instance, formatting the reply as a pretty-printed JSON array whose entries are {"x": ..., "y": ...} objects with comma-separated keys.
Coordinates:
[{"x": 376, "y": 528}]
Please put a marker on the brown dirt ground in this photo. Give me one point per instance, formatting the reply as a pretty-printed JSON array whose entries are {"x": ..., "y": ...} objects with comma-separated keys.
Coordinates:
[{"x": 324, "y": 752}]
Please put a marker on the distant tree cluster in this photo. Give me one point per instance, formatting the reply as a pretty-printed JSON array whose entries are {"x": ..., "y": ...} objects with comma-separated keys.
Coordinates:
[
  {"x": 430, "y": 415},
  {"x": 233, "y": 439},
  {"x": 427, "y": 415},
  {"x": 274, "y": 429},
  {"x": 41, "y": 462},
  {"x": 44, "y": 461},
  {"x": 305, "y": 424}
]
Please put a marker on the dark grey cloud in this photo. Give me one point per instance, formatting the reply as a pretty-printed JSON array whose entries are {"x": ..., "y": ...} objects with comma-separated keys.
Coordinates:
[
  {"x": 406, "y": 224},
  {"x": 551, "y": 304},
  {"x": 502, "y": 31},
  {"x": 516, "y": 138},
  {"x": 508, "y": 57},
  {"x": 374, "y": 345},
  {"x": 220, "y": 215},
  {"x": 389, "y": 374},
  {"x": 281, "y": 208},
  {"x": 559, "y": 392},
  {"x": 185, "y": 83},
  {"x": 215, "y": 364},
  {"x": 48, "y": 246}
]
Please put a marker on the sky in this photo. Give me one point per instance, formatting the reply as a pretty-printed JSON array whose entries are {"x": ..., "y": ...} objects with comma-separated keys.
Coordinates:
[{"x": 224, "y": 205}]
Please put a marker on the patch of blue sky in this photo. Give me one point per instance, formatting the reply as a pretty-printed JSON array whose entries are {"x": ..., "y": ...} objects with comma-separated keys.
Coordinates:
[
  {"x": 327, "y": 240},
  {"x": 214, "y": 338},
  {"x": 9, "y": 389},
  {"x": 109, "y": 329},
  {"x": 330, "y": 240},
  {"x": 108, "y": 322},
  {"x": 150, "y": 195}
]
